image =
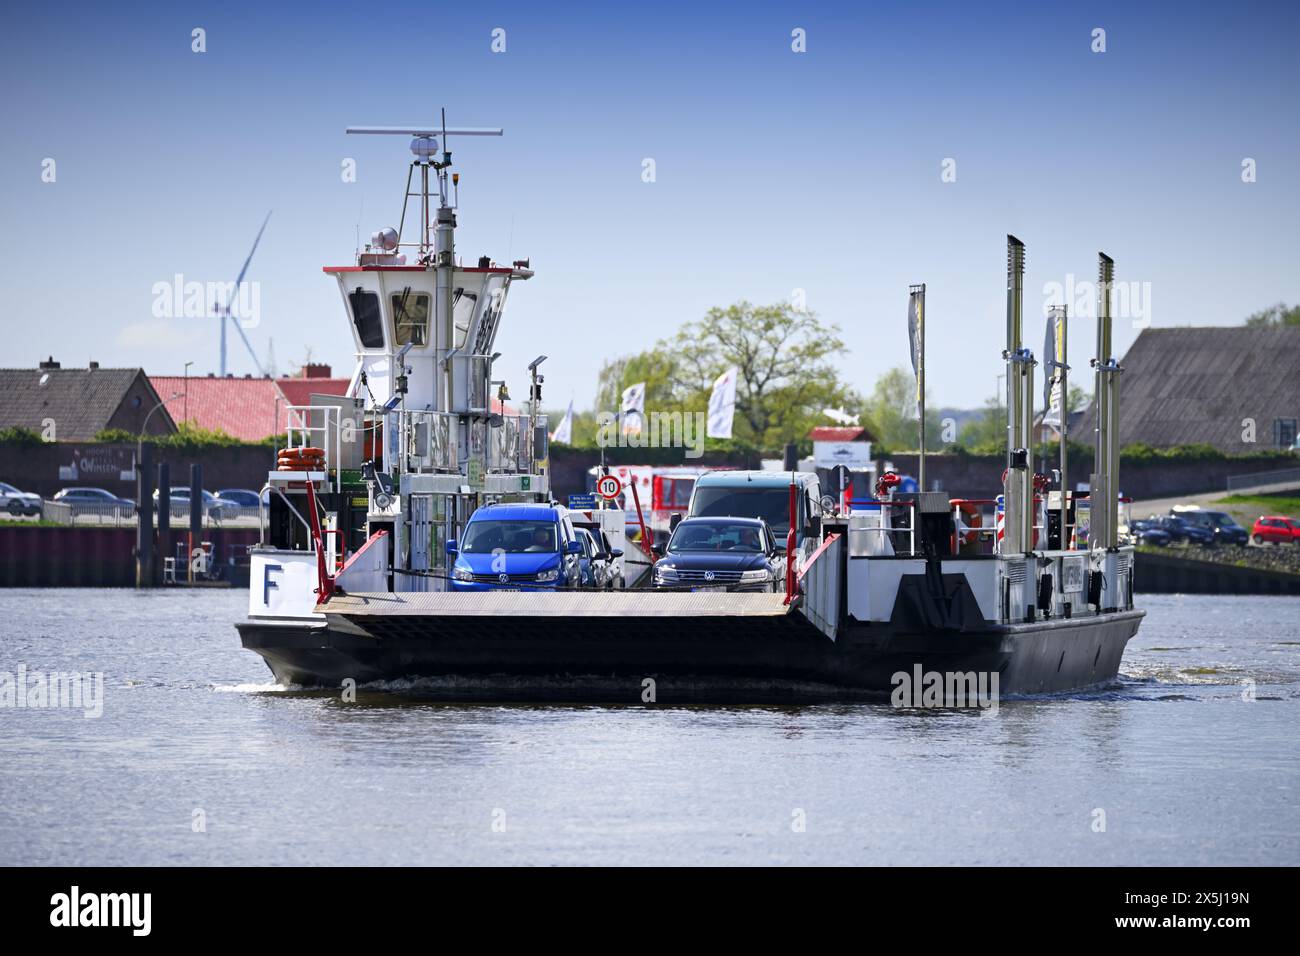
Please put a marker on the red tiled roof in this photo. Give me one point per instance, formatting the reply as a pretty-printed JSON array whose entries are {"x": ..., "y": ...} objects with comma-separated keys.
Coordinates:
[
  {"x": 244, "y": 408},
  {"x": 298, "y": 391},
  {"x": 836, "y": 433}
]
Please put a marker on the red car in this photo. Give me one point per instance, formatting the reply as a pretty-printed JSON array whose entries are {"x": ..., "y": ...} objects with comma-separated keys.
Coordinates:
[{"x": 1276, "y": 529}]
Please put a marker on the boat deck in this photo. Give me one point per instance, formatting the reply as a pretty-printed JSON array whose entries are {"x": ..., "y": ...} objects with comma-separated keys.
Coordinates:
[{"x": 562, "y": 604}]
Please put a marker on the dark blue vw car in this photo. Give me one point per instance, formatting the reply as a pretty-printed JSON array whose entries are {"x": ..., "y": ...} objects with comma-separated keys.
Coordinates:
[
  {"x": 738, "y": 553},
  {"x": 531, "y": 546}
]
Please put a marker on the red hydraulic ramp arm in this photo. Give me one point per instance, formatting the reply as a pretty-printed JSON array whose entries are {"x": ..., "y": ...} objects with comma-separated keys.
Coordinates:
[
  {"x": 325, "y": 580},
  {"x": 647, "y": 537},
  {"x": 789, "y": 547}
]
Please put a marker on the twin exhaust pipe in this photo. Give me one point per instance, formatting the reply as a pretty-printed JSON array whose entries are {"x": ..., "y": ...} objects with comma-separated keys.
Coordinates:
[{"x": 1018, "y": 483}]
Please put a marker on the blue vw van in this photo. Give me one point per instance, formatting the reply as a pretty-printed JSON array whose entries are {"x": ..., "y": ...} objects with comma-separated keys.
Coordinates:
[{"x": 530, "y": 546}]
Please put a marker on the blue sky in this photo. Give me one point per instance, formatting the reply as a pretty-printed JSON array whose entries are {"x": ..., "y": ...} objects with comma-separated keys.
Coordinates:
[{"x": 775, "y": 170}]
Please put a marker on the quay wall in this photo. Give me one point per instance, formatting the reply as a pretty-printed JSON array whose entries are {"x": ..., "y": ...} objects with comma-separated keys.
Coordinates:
[
  {"x": 34, "y": 555},
  {"x": 46, "y": 468},
  {"x": 1162, "y": 573}
]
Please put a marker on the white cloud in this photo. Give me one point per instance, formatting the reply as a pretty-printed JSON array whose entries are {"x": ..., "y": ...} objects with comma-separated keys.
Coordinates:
[{"x": 158, "y": 335}]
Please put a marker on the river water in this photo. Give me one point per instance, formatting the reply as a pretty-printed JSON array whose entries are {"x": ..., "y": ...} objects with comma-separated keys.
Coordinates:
[{"x": 198, "y": 758}]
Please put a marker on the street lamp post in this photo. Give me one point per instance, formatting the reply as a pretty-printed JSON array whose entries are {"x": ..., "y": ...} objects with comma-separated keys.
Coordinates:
[
  {"x": 144, "y": 429},
  {"x": 144, "y": 543}
]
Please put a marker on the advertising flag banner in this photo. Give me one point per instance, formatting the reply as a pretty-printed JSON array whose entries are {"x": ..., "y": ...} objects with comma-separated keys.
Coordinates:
[
  {"x": 564, "y": 431},
  {"x": 915, "y": 328},
  {"x": 632, "y": 409},
  {"x": 722, "y": 405}
]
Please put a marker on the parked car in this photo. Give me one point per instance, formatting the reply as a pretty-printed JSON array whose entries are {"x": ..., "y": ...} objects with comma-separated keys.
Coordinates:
[
  {"x": 1146, "y": 531},
  {"x": 212, "y": 507},
  {"x": 19, "y": 502},
  {"x": 740, "y": 553},
  {"x": 1275, "y": 529},
  {"x": 240, "y": 498},
  {"x": 600, "y": 559},
  {"x": 1181, "y": 530},
  {"x": 1218, "y": 523},
  {"x": 533, "y": 546},
  {"x": 91, "y": 500}
]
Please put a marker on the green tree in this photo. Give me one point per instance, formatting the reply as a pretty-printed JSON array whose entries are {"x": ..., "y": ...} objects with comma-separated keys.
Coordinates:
[
  {"x": 891, "y": 413},
  {"x": 987, "y": 434},
  {"x": 785, "y": 376},
  {"x": 1275, "y": 315}
]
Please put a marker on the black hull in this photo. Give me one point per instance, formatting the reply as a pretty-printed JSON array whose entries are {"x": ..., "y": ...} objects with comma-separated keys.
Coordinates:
[{"x": 697, "y": 659}]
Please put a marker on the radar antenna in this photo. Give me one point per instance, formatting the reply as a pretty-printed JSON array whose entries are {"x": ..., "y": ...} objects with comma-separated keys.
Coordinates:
[{"x": 424, "y": 146}]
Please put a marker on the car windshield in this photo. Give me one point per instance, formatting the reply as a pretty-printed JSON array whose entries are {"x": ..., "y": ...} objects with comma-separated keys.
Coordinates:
[
  {"x": 511, "y": 536},
  {"x": 1221, "y": 519},
  {"x": 7, "y": 489},
  {"x": 770, "y": 504},
  {"x": 715, "y": 536}
]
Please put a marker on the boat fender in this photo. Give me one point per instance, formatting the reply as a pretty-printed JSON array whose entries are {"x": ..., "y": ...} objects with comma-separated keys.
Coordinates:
[{"x": 1045, "y": 594}]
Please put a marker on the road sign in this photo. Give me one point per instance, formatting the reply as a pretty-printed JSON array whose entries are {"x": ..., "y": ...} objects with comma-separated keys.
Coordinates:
[
  {"x": 608, "y": 487},
  {"x": 582, "y": 502}
]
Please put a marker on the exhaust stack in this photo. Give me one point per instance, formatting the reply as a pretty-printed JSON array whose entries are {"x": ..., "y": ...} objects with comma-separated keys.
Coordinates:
[
  {"x": 1018, "y": 534},
  {"x": 1105, "y": 480}
]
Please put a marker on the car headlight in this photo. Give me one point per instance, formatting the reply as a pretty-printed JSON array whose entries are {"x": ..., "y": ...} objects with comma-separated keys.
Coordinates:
[
  {"x": 550, "y": 575},
  {"x": 750, "y": 577},
  {"x": 665, "y": 573},
  {"x": 462, "y": 574}
]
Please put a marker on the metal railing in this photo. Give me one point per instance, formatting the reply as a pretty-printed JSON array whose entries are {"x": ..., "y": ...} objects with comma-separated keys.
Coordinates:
[
  {"x": 79, "y": 513},
  {"x": 1260, "y": 479},
  {"x": 125, "y": 515},
  {"x": 303, "y": 431},
  {"x": 428, "y": 440},
  {"x": 501, "y": 448},
  {"x": 881, "y": 507}
]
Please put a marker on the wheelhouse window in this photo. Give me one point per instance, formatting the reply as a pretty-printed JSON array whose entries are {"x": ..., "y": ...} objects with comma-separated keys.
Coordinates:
[
  {"x": 411, "y": 318},
  {"x": 367, "y": 318},
  {"x": 462, "y": 311}
]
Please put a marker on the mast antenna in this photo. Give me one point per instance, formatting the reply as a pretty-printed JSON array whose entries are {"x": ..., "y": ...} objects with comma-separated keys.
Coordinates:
[{"x": 424, "y": 146}]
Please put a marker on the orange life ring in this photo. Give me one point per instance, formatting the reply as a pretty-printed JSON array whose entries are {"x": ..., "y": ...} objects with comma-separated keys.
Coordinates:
[
  {"x": 300, "y": 459},
  {"x": 971, "y": 517}
]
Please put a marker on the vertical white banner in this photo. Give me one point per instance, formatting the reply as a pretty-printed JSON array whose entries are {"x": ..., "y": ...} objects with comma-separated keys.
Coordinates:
[
  {"x": 722, "y": 405},
  {"x": 564, "y": 431},
  {"x": 915, "y": 331},
  {"x": 632, "y": 409},
  {"x": 1054, "y": 355}
]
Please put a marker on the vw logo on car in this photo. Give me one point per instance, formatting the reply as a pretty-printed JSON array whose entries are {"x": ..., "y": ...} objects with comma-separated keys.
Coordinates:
[{"x": 709, "y": 575}]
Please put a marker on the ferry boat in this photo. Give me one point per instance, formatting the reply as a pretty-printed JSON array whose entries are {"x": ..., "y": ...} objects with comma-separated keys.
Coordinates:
[{"x": 350, "y": 580}]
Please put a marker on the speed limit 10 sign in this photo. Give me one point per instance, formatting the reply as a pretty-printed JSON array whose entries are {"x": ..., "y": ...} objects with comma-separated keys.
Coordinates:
[{"x": 608, "y": 487}]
